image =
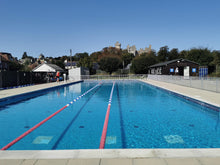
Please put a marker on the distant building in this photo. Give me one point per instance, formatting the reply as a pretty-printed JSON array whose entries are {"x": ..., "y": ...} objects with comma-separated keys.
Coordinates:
[
  {"x": 181, "y": 67},
  {"x": 7, "y": 56},
  {"x": 146, "y": 50},
  {"x": 117, "y": 45},
  {"x": 132, "y": 49},
  {"x": 70, "y": 65},
  {"x": 41, "y": 59},
  {"x": 5, "y": 59},
  {"x": 29, "y": 60}
]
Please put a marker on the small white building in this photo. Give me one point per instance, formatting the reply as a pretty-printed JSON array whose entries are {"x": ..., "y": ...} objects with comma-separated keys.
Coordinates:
[
  {"x": 77, "y": 73},
  {"x": 48, "y": 68}
]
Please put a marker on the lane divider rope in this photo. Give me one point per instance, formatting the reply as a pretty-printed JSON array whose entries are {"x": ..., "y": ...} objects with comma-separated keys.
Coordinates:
[
  {"x": 43, "y": 121},
  {"x": 105, "y": 127}
]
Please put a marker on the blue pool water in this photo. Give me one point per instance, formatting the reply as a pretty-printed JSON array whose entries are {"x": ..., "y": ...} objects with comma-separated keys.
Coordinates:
[{"x": 141, "y": 116}]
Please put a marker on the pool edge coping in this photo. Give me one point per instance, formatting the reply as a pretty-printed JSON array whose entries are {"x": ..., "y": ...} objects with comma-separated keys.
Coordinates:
[{"x": 109, "y": 153}]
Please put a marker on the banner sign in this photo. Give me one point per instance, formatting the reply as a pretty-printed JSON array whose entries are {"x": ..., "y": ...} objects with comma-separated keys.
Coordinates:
[
  {"x": 194, "y": 70},
  {"x": 171, "y": 70}
]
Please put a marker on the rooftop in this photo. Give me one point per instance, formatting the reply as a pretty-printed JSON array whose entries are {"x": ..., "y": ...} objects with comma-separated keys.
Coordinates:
[{"x": 172, "y": 61}]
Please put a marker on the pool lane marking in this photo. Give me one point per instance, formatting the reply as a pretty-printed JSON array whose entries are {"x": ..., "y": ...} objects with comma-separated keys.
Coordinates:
[
  {"x": 104, "y": 131},
  {"x": 43, "y": 121},
  {"x": 73, "y": 120},
  {"x": 123, "y": 137}
]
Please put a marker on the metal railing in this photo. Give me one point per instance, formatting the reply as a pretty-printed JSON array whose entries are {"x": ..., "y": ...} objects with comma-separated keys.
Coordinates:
[
  {"x": 114, "y": 77},
  {"x": 205, "y": 83}
]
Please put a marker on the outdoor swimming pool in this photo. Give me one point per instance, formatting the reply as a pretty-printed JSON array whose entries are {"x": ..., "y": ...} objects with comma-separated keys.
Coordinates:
[{"x": 141, "y": 116}]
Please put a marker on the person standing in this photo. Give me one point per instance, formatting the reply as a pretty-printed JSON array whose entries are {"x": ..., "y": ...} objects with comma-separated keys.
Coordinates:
[{"x": 58, "y": 76}]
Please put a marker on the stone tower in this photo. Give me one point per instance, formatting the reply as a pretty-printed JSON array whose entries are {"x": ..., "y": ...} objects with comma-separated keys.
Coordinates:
[{"x": 117, "y": 45}]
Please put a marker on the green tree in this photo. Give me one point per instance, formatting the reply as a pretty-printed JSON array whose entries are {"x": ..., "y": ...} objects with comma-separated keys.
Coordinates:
[
  {"x": 24, "y": 55},
  {"x": 14, "y": 66},
  {"x": 140, "y": 64},
  {"x": 96, "y": 56},
  {"x": 202, "y": 56},
  {"x": 110, "y": 64},
  {"x": 87, "y": 63},
  {"x": 174, "y": 54},
  {"x": 59, "y": 62},
  {"x": 163, "y": 54},
  {"x": 183, "y": 54},
  {"x": 152, "y": 54},
  {"x": 216, "y": 61},
  {"x": 78, "y": 56},
  {"x": 127, "y": 58}
]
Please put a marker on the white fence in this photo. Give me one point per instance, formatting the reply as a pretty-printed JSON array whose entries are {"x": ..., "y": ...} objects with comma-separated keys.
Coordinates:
[{"x": 205, "y": 83}]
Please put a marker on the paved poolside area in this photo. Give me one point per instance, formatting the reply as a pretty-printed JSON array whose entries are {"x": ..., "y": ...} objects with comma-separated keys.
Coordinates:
[
  {"x": 116, "y": 156},
  {"x": 198, "y": 94},
  {"x": 113, "y": 157}
]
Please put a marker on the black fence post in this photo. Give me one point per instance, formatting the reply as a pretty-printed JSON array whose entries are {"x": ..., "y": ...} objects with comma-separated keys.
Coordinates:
[
  {"x": 30, "y": 77},
  {"x": 1, "y": 79},
  {"x": 18, "y": 79}
]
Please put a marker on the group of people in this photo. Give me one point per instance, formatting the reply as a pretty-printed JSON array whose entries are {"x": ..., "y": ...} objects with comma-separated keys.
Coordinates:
[{"x": 50, "y": 77}]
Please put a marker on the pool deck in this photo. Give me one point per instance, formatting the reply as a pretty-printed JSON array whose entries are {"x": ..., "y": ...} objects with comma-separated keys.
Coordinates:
[
  {"x": 116, "y": 156},
  {"x": 198, "y": 94}
]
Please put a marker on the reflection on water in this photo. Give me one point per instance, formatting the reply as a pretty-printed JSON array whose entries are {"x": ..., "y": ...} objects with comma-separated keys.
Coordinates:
[{"x": 76, "y": 88}]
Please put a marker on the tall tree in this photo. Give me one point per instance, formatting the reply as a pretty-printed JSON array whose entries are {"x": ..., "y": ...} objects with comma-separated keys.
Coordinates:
[
  {"x": 110, "y": 64},
  {"x": 140, "y": 64},
  {"x": 87, "y": 63},
  {"x": 163, "y": 54},
  {"x": 127, "y": 58},
  {"x": 14, "y": 66},
  {"x": 95, "y": 56},
  {"x": 201, "y": 56},
  {"x": 183, "y": 54},
  {"x": 78, "y": 56},
  {"x": 174, "y": 54},
  {"x": 24, "y": 55},
  {"x": 216, "y": 61}
]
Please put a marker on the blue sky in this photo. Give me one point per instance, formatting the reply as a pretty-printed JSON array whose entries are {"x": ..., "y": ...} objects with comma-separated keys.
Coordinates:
[{"x": 53, "y": 27}]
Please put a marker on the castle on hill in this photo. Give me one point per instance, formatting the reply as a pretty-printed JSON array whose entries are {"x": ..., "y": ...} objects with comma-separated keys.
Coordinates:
[{"x": 132, "y": 49}]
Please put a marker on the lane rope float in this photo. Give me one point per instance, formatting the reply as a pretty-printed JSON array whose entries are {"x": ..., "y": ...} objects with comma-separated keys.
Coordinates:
[
  {"x": 75, "y": 117},
  {"x": 43, "y": 121},
  {"x": 104, "y": 131}
]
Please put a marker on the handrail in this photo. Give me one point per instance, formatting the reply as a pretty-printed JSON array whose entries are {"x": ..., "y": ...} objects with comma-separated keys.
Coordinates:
[{"x": 43, "y": 121}]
